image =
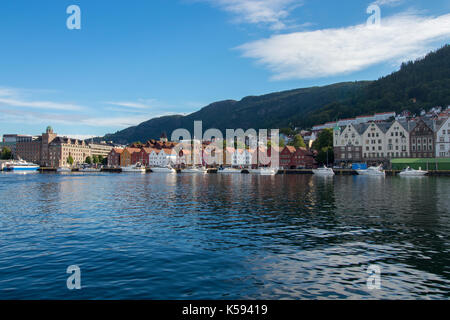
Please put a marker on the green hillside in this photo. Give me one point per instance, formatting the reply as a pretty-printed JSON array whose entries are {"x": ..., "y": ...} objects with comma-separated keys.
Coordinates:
[{"x": 421, "y": 84}]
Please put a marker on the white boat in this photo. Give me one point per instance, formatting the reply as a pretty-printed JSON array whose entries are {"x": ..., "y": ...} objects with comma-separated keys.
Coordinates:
[
  {"x": 409, "y": 172},
  {"x": 64, "y": 169},
  {"x": 163, "y": 170},
  {"x": 88, "y": 169},
  {"x": 21, "y": 166},
  {"x": 229, "y": 170},
  {"x": 195, "y": 170},
  {"x": 323, "y": 171},
  {"x": 134, "y": 168},
  {"x": 264, "y": 171},
  {"x": 372, "y": 171}
]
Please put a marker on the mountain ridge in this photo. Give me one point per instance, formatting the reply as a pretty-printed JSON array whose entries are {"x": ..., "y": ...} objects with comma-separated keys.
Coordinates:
[{"x": 423, "y": 83}]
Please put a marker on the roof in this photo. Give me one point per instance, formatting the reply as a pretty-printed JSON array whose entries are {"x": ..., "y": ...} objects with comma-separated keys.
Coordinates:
[
  {"x": 132, "y": 150},
  {"x": 118, "y": 150}
]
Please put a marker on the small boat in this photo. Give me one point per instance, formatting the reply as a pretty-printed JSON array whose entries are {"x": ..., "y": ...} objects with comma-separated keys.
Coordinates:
[
  {"x": 163, "y": 170},
  {"x": 195, "y": 170},
  {"x": 323, "y": 171},
  {"x": 264, "y": 171},
  {"x": 409, "y": 172},
  {"x": 90, "y": 169},
  {"x": 21, "y": 166},
  {"x": 372, "y": 171},
  {"x": 64, "y": 169},
  {"x": 229, "y": 170},
  {"x": 139, "y": 168}
]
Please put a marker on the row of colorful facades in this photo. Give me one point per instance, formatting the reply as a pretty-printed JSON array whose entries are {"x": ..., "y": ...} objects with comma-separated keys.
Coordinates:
[
  {"x": 382, "y": 141},
  {"x": 162, "y": 153}
]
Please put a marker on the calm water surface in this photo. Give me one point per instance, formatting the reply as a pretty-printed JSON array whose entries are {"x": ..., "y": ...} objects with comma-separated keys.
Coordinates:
[{"x": 182, "y": 236}]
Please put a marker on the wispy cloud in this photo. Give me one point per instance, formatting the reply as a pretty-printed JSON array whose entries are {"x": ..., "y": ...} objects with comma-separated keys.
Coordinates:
[
  {"x": 14, "y": 98},
  {"x": 272, "y": 13},
  {"x": 140, "y": 104},
  {"x": 331, "y": 52}
]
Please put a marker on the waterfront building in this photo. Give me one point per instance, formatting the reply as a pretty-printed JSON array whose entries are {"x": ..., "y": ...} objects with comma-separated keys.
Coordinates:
[
  {"x": 100, "y": 149},
  {"x": 422, "y": 140},
  {"x": 348, "y": 143},
  {"x": 294, "y": 158},
  {"x": 398, "y": 140},
  {"x": 443, "y": 139},
  {"x": 61, "y": 148},
  {"x": 49, "y": 150},
  {"x": 128, "y": 156},
  {"x": 374, "y": 147},
  {"x": 10, "y": 141},
  {"x": 114, "y": 157}
]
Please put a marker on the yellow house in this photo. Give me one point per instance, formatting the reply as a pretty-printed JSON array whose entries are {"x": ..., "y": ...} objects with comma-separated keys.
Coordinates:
[{"x": 126, "y": 158}]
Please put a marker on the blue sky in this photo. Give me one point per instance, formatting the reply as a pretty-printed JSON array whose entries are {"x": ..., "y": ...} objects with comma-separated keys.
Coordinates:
[{"x": 138, "y": 59}]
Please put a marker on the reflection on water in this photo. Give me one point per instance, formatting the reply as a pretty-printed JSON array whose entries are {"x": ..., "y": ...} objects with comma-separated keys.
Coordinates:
[{"x": 163, "y": 236}]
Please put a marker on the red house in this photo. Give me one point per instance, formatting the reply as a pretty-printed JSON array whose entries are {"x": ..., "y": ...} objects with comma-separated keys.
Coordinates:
[
  {"x": 143, "y": 156},
  {"x": 293, "y": 158},
  {"x": 114, "y": 157}
]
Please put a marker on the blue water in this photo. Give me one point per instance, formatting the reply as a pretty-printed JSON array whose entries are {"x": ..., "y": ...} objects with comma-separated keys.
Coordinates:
[{"x": 215, "y": 236}]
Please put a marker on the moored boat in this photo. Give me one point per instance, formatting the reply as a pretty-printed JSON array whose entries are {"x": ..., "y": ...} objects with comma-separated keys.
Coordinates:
[
  {"x": 263, "y": 171},
  {"x": 409, "y": 172},
  {"x": 139, "y": 168},
  {"x": 372, "y": 171},
  {"x": 325, "y": 171},
  {"x": 21, "y": 166},
  {"x": 64, "y": 170},
  {"x": 163, "y": 170},
  {"x": 89, "y": 169},
  {"x": 195, "y": 170},
  {"x": 229, "y": 170}
]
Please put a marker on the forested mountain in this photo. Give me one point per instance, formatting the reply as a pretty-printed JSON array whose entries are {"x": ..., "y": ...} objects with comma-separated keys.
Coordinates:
[{"x": 421, "y": 84}]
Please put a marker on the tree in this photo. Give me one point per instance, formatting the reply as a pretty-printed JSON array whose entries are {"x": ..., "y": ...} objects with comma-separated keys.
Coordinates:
[
  {"x": 100, "y": 159},
  {"x": 70, "y": 160},
  {"x": 324, "y": 140},
  {"x": 104, "y": 161},
  {"x": 94, "y": 159},
  {"x": 88, "y": 160},
  {"x": 298, "y": 142},
  {"x": 325, "y": 156},
  {"x": 6, "y": 153},
  {"x": 324, "y": 146}
]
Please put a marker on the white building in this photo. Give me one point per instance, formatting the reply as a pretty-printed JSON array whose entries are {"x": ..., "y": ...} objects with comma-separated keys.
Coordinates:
[
  {"x": 162, "y": 158},
  {"x": 374, "y": 141},
  {"x": 397, "y": 140},
  {"x": 443, "y": 139}
]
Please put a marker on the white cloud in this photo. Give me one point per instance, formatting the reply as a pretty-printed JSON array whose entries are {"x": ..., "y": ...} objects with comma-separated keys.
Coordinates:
[
  {"x": 331, "y": 52},
  {"x": 387, "y": 2},
  {"x": 13, "y": 97},
  {"x": 273, "y": 13},
  {"x": 140, "y": 104}
]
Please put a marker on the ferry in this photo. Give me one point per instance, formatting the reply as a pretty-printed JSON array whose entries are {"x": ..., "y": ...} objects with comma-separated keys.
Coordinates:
[
  {"x": 21, "y": 165},
  {"x": 325, "y": 171}
]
